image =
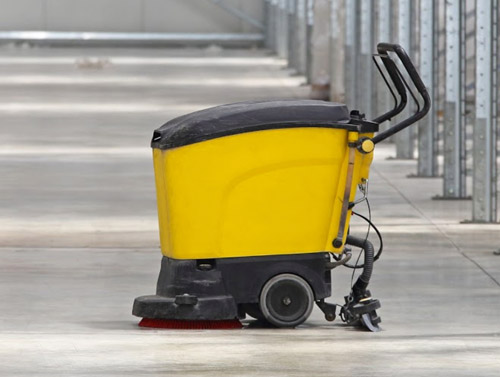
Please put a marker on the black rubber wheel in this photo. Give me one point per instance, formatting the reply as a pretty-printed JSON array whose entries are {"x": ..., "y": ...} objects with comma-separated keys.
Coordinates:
[
  {"x": 253, "y": 310},
  {"x": 286, "y": 300}
]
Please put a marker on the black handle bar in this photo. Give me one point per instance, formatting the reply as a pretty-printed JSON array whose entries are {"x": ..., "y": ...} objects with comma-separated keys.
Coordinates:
[{"x": 396, "y": 78}]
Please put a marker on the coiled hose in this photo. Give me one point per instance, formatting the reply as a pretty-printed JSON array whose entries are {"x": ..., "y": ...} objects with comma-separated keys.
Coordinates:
[{"x": 359, "y": 288}]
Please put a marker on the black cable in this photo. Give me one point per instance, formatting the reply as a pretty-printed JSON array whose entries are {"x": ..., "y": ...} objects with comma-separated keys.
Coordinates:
[
  {"x": 381, "y": 247},
  {"x": 379, "y": 235},
  {"x": 354, "y": 269},
  {"x": 356, "y": 266}
]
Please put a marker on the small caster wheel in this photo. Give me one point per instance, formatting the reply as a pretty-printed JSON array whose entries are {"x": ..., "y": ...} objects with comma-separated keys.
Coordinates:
[
  {"x": 286, "y": 300},
  {"x": 330, "y": 317}
]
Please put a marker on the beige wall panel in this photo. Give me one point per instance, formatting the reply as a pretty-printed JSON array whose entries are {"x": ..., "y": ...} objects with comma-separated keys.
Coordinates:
[{"x": 22, "y": 15}]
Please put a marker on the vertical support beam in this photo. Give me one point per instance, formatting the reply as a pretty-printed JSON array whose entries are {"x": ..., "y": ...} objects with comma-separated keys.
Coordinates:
[
  {"x": 282, "y": 29},
  {"x": 384, "y": 34},
  {"x": 350, "y": 48},
  {"x": 267, "y": 24},
  {"x": 366, "y": 47},
  {"x": 337, "y": 51},
  {"x": 278, "y": 21},
  {"x": 441, "y": 69},
  {"x": 320, "y": 70},
  {"x": 292, "y": 29},
  {"x": 301, "y": 13},
  {"x": 310, "y": 23},
  {"x": 275, "y": 23},
  {"x": 428, "y": 126},
  {"x": 404, "y": 139},
  {"x": 286, "y": 34},
  {"x": 454, "y": 114},
  {"x": 271, "y": 24},
  {"x": 484, "y": 200}
]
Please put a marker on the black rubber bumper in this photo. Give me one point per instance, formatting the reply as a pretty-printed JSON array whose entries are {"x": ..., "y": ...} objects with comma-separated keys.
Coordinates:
[
  {"x": 207, "y": 308},
  {"x": 190, "y": 290},
  {"x": 212, "y": 289}
]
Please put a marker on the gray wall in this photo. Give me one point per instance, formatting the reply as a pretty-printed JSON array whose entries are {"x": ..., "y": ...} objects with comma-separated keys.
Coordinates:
[{"x": 199, "y": 16}]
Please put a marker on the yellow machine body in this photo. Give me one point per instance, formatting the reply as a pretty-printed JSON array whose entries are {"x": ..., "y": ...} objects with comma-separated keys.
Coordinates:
[
  {"x": 254, "y": 199},
  {"x": 268, "y": 192}
]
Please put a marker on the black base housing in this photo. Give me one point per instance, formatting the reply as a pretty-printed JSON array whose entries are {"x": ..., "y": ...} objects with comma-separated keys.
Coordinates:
[{"x": 217, "y": 289}]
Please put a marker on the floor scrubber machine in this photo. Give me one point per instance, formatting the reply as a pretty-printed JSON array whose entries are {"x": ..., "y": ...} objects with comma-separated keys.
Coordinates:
[{"x": 254, "y": 203}]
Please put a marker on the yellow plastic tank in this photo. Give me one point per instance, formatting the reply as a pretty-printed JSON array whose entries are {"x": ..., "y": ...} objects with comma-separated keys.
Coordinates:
[
  {"x": 259, "y": 178},
  {"x": 253, "y": 199}
]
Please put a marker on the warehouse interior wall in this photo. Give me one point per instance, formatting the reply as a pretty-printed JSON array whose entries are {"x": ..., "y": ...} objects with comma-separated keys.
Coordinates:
[{"x": 180, "y": 16}]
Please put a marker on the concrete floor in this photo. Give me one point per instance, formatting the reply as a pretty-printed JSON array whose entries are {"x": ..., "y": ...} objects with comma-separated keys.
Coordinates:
[{"x": 78, "y": 234}]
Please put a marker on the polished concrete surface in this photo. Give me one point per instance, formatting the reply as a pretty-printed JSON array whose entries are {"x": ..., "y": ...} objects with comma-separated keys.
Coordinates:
[{"x": 78, "y": 234}]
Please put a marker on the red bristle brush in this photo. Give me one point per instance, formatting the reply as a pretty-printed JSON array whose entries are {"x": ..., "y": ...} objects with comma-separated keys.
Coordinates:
[{"x": 179, "y": 324}]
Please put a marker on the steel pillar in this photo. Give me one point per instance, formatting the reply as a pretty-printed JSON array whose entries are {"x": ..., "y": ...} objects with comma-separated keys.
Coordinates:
[
  {"x": 428, "y": 126},
  {"x": 310, "y": 23},
  {"x": 282, "y": 29},
  {"x": 454, "y": 186},
  {"x": 484, "y": 199},
  {"x": 404, "y": 139},
  {"x": 350, "y": 48},
  {"x": 336, "y": 51},
  {"x": 301, "y": 33},
  {"x": 320, "y": 69},
  {"x": 270, "y": 31},
  {"x": 365, "y": 83},
  {"x": 292, "y": 31},
  {"x": 384, "y": 34}
]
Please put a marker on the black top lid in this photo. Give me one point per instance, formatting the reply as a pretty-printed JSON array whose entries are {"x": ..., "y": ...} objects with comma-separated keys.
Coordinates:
[{"x": 243, "y": 117}]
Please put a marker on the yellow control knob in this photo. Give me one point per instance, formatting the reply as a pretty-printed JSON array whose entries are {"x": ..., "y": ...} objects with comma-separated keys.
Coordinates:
[{"x": 367, "y": 146}]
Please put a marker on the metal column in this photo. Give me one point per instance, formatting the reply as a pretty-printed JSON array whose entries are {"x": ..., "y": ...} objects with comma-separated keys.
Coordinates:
[
  {"x": 301, "y": 33},
  {"x": 310, "y": 23},
  {"x": 484, "y": 200},
  {"x": 292, "y": 29},
  {"x": 320, "y": 64},
  {"x": 404, "y": 139},
  {"x": 277, "y": 25},
  {"x": 282, "y": 29},
  {"x": 336, "y": 52},
  {"x": 365, "y": 82},
  {"x": 454, "y": 114},
  {"x": 350, "y": 48},
  {"x": 428, "y": 127},
  {"x": 271, "y": 9},
  {"x": 268, "y": 23},
  {"x": 384, "y": 34},
  {"x": 279, "y": 28}
]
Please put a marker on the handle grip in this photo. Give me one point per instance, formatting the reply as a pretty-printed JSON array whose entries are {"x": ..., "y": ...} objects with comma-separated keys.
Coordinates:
[{"x": 395, "y": 75}]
